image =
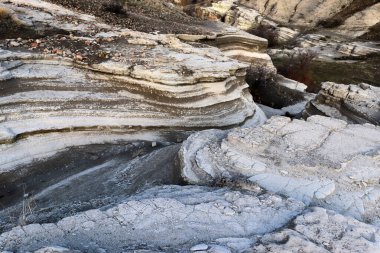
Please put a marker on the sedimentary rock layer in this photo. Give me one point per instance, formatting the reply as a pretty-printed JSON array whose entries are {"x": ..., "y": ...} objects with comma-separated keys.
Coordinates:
[
  {"x": 76, "y": 87},
  {"x": 245, "y": 18},
  {"x": 54, "y": 182},
  {"x": 117, "y": 80},
  {"x": 353, "y": 18},
  {"x": 352, "y": 103},
  {"x": 321, "y": 161}
]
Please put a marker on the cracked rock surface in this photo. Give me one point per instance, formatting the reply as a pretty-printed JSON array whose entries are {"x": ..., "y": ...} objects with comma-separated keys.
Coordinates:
[
  {"x": 184, "y": 215},
  {"x": 321, "y": 230},
  {"x": 321, "y": 161}
]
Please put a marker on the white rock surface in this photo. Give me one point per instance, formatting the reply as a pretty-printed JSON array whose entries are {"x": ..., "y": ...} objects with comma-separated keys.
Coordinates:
[
  {"x": 246, "y": 14},
  {"x": 321, "y": 161},
  {"x": 169, "y": 216},
  {"x": 234, "y": 13},
  {"x": 359, "y": 23},
  {"x": 317, "y": 230},
  {"x": 321, "y": 230},
  {"x": 56, "y": 249}
]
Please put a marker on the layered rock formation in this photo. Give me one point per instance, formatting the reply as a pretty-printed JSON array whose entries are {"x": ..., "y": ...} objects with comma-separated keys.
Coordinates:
[
  {"x": 235, "y": 14},
  {"x": 352, "y": 18},
  {"x": 320, "y": 161},
  {"x": 115, "y": 80},
  {"x": 352, "y": 103},
  {"x": 76, "y": 92},
  {"x": 91, "y": 114}
]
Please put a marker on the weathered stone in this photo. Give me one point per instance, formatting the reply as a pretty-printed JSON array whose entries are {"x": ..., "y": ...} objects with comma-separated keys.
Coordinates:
[
  {"x": 353, "y": 103},
  {"x": 321, "y": 161},
  {"x": 321, "y": 230},
  {"x": 184, "y": 215}
]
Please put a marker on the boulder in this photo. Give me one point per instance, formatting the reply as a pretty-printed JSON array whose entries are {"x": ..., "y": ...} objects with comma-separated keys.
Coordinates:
[{"x": 353, "y": 103}]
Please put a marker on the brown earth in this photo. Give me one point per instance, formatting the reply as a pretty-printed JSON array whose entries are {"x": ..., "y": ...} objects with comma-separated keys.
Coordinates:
[{"x": 140, "y": 15}]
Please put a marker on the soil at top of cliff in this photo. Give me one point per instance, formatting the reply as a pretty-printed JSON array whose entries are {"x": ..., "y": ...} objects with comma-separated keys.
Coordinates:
[{"x": 140, "y": 15}]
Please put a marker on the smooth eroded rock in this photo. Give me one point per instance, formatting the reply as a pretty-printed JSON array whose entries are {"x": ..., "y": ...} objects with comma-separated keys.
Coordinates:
[
  {"x": 167, "y": 216},
  {"x": 321, "y": 161}
]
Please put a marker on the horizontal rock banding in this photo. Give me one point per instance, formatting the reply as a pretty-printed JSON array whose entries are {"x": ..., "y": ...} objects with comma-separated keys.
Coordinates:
[{"x": 120, "y": 79}]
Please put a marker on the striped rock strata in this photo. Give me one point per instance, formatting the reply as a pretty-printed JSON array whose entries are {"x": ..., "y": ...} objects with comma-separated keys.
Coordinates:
[
  {"x": 113, "y": 80},
  {"x": 350, "y": 17},
  {"x": 353, "y": 18},
  {"x": 74, "y": 98},
  {"x": 234, "y": 13}
]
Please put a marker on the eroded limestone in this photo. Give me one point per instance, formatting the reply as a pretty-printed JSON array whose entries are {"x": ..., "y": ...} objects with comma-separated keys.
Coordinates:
[{"x": 321, "y": 161}]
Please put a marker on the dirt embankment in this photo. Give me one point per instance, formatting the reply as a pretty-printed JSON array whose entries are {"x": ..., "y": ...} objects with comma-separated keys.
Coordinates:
[{"x": 140, "y": 15}]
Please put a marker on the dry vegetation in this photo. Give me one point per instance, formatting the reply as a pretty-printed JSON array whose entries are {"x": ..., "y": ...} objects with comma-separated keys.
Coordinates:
[
  {"x": 298, "y": 66},
  {"x": 265, "y": 89},
  {"x": 140, "y": 15},
  {"x": 4, "y": 13},
  {"x": 267, "y": 32}
]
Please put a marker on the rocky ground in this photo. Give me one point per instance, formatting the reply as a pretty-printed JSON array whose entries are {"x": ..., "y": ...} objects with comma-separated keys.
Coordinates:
[{"x": 131, "y": 126}]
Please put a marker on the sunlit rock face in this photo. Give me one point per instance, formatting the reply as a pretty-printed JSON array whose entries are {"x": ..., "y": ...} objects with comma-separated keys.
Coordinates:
[
  {"x": 245, "y": 48},
  {"x": 232, "y": 39},
  {"x": 321, "y": 161},
  {"x": 350, "y": 17},
  {"x": 352, "y": 103},
  {"x": 347, "y": 17},
  {"x": 235, "y": 14}
]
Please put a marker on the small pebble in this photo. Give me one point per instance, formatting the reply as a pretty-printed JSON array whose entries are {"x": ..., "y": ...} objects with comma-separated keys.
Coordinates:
[{"x": 199, "y": 247}]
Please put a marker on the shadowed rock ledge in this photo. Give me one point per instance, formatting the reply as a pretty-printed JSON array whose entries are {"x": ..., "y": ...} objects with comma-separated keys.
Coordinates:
[{"x": 352, "y": 103}]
